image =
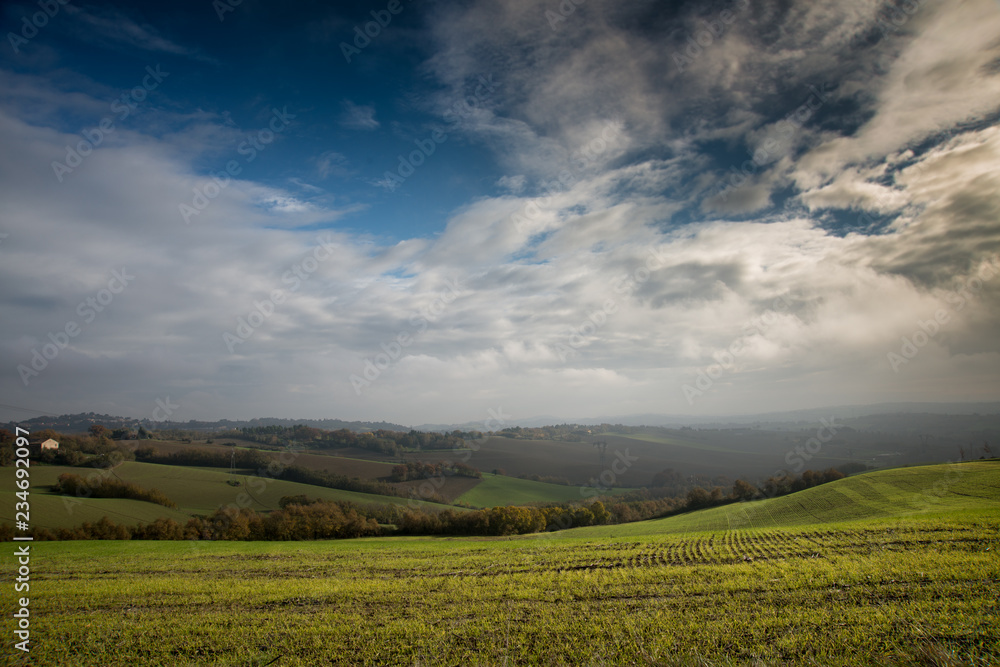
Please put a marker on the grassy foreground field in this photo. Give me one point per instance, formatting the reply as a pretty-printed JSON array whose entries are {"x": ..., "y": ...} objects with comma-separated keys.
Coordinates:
[{"x": 910, "y": 579}]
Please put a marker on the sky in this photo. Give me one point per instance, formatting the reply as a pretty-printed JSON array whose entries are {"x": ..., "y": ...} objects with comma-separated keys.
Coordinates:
[{"x": 444, "y": 212}]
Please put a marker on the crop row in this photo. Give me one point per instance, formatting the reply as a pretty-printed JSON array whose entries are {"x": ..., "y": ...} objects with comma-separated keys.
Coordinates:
[{"x": 734, "y": 546}]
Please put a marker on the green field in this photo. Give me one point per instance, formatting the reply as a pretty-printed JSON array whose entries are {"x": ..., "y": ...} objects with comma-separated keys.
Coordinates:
[
  {"x": 499, "y": 490},
  {"x": 953, "y": 489},
  {"x": 195, "y": 490},
  {"x": 893, "y": 567}
]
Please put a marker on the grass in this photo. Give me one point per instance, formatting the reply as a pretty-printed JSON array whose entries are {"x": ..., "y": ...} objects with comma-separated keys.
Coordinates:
[
  {"x": 195, "y": 490},
  {"x": 52, "y": 512},
  {"x": 926, "y": 491},
  {"x": 887, "y": 582},
  {"x": 497, "y": 490},
  {"x": 328, "y": 460}
]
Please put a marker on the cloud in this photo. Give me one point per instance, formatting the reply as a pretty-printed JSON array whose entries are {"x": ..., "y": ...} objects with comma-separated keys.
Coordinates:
[
  {"x": 333, "y": 163},
  {"x": 113, "y": 28},
  {"x": 852, "y": 190},
  {"x": 513, "y": 184},
  {"x": 357, "y": 117},
  {"x": 741, "y": 200},
  {"x": 950, "y": 220},
  {"x": 938, "y": 81}
]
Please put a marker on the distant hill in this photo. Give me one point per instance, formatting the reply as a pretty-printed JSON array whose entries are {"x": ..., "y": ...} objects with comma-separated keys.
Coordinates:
[
  {"x": 79, "y": 423},
  {"x": 325, "y": 424},
  {"x": 807, "y": 416},
  {"x": 901, "y": 417}
]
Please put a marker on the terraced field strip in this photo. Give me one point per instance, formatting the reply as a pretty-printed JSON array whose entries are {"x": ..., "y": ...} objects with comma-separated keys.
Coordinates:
[{"x": 748, "y": 546}]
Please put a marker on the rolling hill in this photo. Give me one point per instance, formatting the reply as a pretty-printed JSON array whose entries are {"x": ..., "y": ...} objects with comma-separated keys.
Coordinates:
[
  {"x": 500, "y": 490},
  {"x": 711, "y": 454},
  {"x": 195, "y": 490},
  {"x": 879, "y": 497}
]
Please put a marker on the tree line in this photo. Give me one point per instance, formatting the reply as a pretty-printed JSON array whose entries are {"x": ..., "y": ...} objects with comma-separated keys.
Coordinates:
[
  {"x": 96, "y": 449},
  {"x": 382, "y": 441},
  {"x": 241, "y": 458},
  {"x": 295, "y": 522},
  {"x": 419, "y": 470},
  {"x": 69, "y": 484},
  {"x": 303, "y": 519},
  {"x": 662, "y": 501},
  {"x": 503, "y": 520}
]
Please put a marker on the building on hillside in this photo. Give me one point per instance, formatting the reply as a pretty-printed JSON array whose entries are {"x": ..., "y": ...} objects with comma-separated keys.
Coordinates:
[{"x": 49, "y": 444}]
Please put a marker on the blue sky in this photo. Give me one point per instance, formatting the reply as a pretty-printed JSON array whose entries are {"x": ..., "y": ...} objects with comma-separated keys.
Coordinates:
[
  {"x": 561, "y": 209},
  {"x": 351, "y": 119}
]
